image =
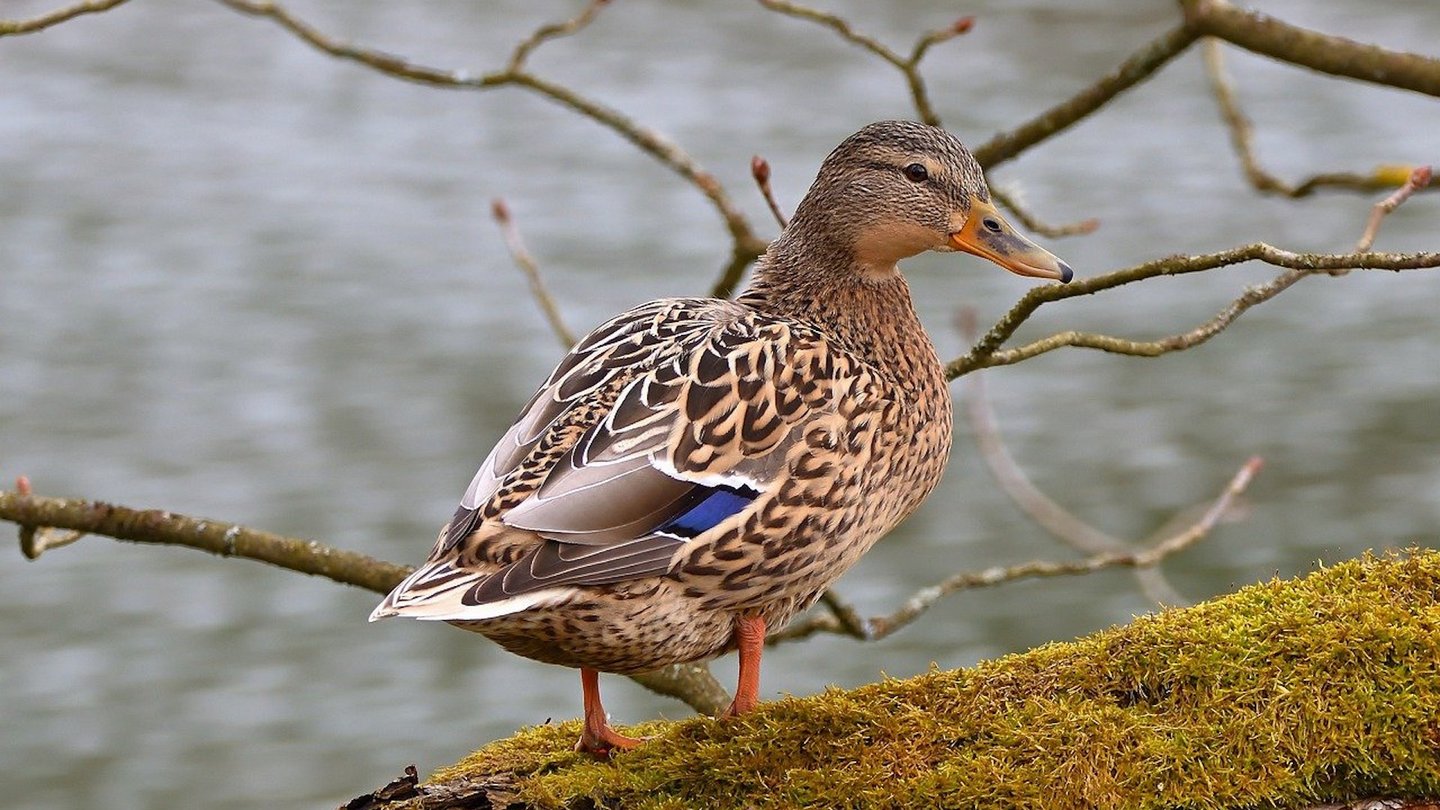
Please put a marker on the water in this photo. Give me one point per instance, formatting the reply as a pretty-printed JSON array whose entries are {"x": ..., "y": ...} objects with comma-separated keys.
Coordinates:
[{"x": 245, "y": 281}]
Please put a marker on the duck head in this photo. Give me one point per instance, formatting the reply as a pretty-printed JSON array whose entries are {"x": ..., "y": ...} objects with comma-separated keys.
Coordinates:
[{"x": 898, "y": 188}]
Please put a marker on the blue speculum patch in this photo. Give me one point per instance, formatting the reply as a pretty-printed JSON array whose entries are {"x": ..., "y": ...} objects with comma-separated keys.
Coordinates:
[{"x": 714, "y": 505}]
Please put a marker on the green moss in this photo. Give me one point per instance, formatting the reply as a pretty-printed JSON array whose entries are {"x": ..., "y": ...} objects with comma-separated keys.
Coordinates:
[{"x": 1285, "y": 693}]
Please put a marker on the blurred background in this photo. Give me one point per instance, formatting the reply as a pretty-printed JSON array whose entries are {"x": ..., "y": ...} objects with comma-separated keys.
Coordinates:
[{"x": 243, "y": 280}]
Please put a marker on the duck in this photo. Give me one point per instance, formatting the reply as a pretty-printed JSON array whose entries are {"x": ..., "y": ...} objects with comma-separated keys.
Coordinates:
[{"x": 697, "y": 471}]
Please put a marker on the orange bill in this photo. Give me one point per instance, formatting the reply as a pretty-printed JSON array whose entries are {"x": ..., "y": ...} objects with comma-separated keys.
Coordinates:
[{"x": 986, "y": 234}]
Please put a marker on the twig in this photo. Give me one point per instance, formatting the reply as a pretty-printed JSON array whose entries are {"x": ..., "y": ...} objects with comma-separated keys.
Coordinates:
[
  {"x": 527, "y": 265},
  {"x": 545, "y": 33},
  {"x": 747, "y": 246},
  {"x": 908, "y": 66},
  {"x": 760, "y": 170},
  {"x": 36, "y": 540},
  {"x": 1041, "y": 508},
  {"x": 59, "y": 15},
  {"x": 691, "y": 683},
  {"x": 924, "y": 599},
  {"x": 986, "y": 352},
  {"x": 1154, "y": 348},
  {"x": 1419, "y": 178},
  {"x": 1135, "y": 69},
  {"x": 1036, "y": 225},
  {"x": 1242, "y": 140},
  {"x": 849, "y": 619}
]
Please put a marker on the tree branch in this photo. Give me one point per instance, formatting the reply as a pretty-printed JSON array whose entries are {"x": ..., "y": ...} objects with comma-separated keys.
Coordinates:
[
  {"x": 760, "y": 170},
  {"x": 1337, "y": 56},
  {"x": 217, "y": 537},
  {"x": 986, "y": 352},
  {"x": 1060, "y": 522},
  {"x": 545, "y": 33},
  {"x": 528, "y": 266},
  {"x": 909, "y": 66},
  {"x": 1419, "y": 178},
  {"x": 1008, "y": 201},
  {"x": 882, "y": 626},
  {"x": 59, "y": 15},
  {"x": 747, "y": 246},
  {"x": 1135, "y": 69},
  {"x": 1241, "y": 139},
  {"x": 691, "y": 683}
]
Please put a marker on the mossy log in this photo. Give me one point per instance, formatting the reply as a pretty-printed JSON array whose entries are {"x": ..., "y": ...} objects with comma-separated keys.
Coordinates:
[{"x": 1285, "y": 694}]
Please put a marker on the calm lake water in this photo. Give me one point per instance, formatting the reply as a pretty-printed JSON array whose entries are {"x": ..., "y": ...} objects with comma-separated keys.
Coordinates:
[{"x": 245, "y": 281}]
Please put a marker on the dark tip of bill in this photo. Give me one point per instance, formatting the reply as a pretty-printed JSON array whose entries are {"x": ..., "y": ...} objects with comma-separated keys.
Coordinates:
[{"x": 1066, "y": 273}]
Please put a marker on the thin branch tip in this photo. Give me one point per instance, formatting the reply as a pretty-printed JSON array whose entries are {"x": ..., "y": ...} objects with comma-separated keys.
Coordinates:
[
  {"x": 1419, "y": 179},
  {"x": 760, "y": 169},
  {"x": 527, "y": 265},
  {"x": 40, "y": 23},
  {"x": 1008, "y": 199}
]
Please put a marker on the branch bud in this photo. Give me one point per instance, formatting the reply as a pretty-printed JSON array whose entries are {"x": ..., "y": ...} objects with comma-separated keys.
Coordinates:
[{"x": 760, "y": 169}]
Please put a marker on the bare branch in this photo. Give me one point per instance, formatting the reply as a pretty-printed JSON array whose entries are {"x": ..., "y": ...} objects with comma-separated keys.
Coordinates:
[
  {"x": 225, "y": 539},
  {"x": 1419, "y": 178},
  {"x": 1041, "y": 508},
  {"x": 908, "y": 66},
  {"x": 60, "y": 15},
  {"x": 528, "y": 266},
  {"x": 837, "y": 24},
  {"x": 1155, "y": 348},
  {"x": 924, "y": 599},
  {"x": 760, "y": 170},
  {"x": 747, "y": 246},
  {"x": 546, "y": 33},
  {"x": 36, "y": 540},
  {"x": 742, "y": 255},
  {"x": 1135, "y": 69},
  {"x": 690, "y": 683},
  {"x": 939, "y": 35},
  {"x": 1036, "y": 225},
  {"x": 387, "y": 63},
  {"x": 1334, "y": 55},
  {"x": 986, "y": 352},
  {"x": 849, "y": 619},
  {"x": 1241, "y": 139}
]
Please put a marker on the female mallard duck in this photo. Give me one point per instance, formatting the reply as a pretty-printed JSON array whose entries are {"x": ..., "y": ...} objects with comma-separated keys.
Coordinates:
[{"x": 698, "y": 471}]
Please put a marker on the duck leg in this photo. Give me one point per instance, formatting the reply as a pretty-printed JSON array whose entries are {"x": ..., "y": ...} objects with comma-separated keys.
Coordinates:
[
  {"x": 598, "y": 739},
  {"x": 750, "y": 638}
]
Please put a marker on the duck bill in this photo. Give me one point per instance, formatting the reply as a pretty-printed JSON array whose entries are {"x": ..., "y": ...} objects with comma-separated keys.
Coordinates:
[{"x": 986, "y": 234}]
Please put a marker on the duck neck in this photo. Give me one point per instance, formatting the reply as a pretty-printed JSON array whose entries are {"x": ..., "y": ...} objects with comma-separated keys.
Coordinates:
[{"x": 866, "y": 310}]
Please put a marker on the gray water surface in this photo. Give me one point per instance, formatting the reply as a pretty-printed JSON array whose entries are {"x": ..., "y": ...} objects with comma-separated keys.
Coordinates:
[{"x": 242, "y": 280}]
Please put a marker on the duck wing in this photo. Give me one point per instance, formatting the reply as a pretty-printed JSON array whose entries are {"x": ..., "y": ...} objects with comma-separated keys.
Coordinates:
[{"x": 660, "y": 425}]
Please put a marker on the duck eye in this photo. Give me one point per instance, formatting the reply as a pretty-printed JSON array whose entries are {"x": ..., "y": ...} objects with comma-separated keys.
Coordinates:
[
  {"x": 991, "y": 224},
  {"x": 917, "y": 173}
]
